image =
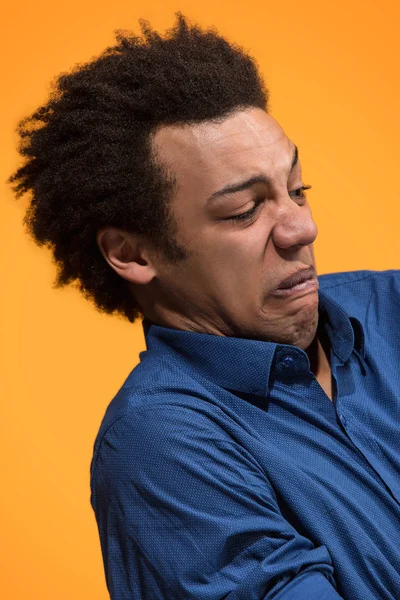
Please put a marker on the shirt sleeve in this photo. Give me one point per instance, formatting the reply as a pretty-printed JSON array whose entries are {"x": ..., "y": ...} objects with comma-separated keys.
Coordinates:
[{"x": 186, "y": 513}]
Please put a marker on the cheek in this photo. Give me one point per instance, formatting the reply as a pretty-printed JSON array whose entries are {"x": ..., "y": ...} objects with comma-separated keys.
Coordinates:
[{"x": 239, "y": 257}]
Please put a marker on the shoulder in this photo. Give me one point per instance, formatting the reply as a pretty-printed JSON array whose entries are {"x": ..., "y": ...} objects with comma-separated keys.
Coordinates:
[
  {"x": 164, "y": 446},
  {"x": 350, "y": 287},
  {"x": 373, "y": 297},
  {"x": 153, "y": 384},
  {"x": 157, "y": 424},
  {"x": 358, "y": 279}
]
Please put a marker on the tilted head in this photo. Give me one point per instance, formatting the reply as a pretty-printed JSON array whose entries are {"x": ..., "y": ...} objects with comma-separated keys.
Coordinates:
[{"x": 142, "y": 165}]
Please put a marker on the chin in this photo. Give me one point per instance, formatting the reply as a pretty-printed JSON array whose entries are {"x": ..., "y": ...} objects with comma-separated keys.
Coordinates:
[{"x": 307, "y": 334}]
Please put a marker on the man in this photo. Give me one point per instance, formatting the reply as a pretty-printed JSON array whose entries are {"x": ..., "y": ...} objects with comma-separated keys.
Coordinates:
[{"x": 254, "y": 451}]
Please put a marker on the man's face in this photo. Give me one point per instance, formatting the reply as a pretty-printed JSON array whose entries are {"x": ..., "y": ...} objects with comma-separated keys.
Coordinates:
[{"x": 225, "y": 286}]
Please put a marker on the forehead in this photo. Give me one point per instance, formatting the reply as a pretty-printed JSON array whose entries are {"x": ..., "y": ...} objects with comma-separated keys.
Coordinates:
[{"x": 208, "y": 155}]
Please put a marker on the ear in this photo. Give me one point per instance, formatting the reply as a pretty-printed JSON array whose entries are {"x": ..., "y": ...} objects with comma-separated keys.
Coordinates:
[{"x": 127, "y": 254}]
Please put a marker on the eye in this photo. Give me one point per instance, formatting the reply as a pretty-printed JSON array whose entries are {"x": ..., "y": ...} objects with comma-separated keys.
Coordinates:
[
  {"x": 245, "y": 215},
  {"x": 299, "y": 192}
]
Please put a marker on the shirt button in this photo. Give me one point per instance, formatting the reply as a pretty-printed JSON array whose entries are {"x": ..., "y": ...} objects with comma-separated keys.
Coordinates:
[
  {"x": 343, "y": 420},
  {"x": 288, "y": 363}
]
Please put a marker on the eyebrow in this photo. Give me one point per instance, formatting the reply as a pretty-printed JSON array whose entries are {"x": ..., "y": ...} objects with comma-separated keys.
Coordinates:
[{"x": 244, "y": 185}]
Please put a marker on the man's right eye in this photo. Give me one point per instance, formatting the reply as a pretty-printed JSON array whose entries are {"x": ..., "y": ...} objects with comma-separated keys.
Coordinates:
[{"x": 243, "y": 216}]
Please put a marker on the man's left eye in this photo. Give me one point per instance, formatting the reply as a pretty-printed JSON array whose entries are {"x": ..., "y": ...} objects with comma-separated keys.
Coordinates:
[{"x": 299, "y": 192}]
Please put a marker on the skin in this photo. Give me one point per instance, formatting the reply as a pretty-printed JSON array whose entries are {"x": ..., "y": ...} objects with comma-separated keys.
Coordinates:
[{"x": 224, "y": 285}]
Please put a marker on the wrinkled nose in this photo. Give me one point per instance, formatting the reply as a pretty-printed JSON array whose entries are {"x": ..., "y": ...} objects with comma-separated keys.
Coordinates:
[{"x": 294, "y": 225}]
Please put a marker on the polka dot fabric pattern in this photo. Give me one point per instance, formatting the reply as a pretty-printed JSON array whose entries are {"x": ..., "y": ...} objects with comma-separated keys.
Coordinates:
[{"x": 222, "y": 470}]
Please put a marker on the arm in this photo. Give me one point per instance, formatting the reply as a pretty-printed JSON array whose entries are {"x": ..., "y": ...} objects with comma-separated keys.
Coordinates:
[{"x": 186, "y": 513}]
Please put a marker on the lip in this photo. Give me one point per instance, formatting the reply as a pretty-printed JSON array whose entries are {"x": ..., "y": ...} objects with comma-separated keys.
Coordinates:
[
  {"x": 297, "y": 281},
  {"x": 297, "y": 277},
  {"x": 304, "y": 287}
]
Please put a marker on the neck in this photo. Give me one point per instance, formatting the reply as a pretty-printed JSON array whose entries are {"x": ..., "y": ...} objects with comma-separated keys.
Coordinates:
[{"x": 319, "y": 353}]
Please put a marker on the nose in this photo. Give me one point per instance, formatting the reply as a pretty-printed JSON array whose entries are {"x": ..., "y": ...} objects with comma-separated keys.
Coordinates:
[{"x": 294, "y": 225}]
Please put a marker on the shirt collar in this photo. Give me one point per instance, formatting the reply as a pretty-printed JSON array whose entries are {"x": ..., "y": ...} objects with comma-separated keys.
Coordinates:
[
  {"x": 345, "y": 332},
  {"x": 245, "y": 365}
]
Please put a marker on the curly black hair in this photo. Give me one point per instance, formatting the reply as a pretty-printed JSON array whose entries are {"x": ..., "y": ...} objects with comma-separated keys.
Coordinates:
[{"x": 88, "y": 156}]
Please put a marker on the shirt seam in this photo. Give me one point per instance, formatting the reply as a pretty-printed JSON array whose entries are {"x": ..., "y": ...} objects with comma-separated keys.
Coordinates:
[
  {"x": 165, "y": 407},
  {"x": 100, "y": 441}
]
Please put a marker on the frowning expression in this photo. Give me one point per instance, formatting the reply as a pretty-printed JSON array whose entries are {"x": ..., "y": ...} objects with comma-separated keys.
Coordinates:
[{"x": 243, "y": 216}]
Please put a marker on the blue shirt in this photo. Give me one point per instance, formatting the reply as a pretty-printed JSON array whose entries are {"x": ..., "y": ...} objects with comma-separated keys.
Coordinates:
[{"x": 222, "y": 470}]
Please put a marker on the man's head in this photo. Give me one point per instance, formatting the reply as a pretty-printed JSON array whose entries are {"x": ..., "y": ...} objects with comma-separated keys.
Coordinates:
[{"x": 127, "y": 169}]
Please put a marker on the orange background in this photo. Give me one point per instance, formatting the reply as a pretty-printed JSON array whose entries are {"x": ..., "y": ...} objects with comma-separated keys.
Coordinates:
[{"x": 334, "y": 78}]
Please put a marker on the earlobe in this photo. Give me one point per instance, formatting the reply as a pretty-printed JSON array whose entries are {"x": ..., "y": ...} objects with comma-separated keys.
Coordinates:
[
  {"x": 136, "y": 273},
  {"x": 124, "y": 253}
]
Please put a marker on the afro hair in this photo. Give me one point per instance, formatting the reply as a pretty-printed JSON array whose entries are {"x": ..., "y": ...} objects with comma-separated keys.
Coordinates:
[{"x": 89, "y": 162}]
